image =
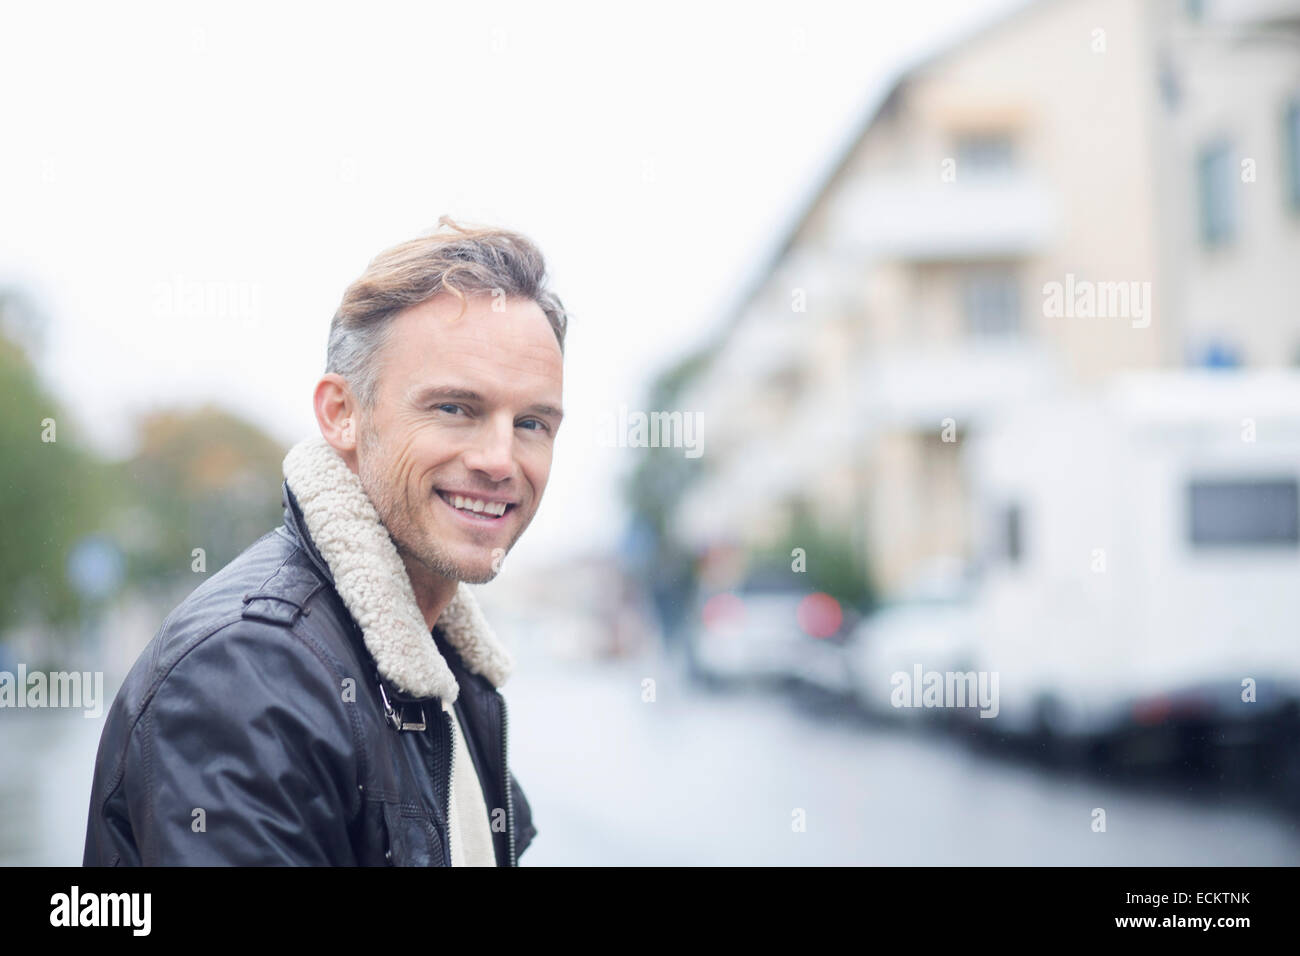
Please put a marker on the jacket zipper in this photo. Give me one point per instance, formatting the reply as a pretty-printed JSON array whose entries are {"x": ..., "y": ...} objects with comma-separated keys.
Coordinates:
[
  {"x": 505, "y": 773},
  {"x": 451, "y": 766}
]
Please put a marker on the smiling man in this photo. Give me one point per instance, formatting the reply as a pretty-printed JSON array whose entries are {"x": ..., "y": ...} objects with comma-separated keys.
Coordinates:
[{"x": 330, "y": 697}]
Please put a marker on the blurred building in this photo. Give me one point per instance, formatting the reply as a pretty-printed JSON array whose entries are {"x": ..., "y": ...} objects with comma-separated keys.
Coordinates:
[
  {"x": 1229, "y": 177},
  {"x": 1082, "y": 188}
]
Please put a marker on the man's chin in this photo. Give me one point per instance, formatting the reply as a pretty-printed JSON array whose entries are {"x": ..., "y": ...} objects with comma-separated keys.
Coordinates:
[
  {"x": 471, "y": 570},
  {"x": 477, "y": 570},
  {"x": 481, "y": 576}
]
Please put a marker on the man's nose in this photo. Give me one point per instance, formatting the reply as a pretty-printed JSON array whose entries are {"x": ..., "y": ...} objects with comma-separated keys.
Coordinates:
[{"x": 493, "y": 452}]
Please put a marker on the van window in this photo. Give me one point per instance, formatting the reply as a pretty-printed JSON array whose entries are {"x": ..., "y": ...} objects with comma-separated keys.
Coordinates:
[{"x": 1244, "y": 512}]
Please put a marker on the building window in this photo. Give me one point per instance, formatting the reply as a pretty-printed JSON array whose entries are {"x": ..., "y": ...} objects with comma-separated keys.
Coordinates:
[
  {"x": 1291, "y": 137},
  {"x": 1217, "y": 192},
  {"x": 1244, "y": 513},
  {"x": 1169, "y": 83},
  {"x": 985, "y": 153},
  {"x": 991, "y": 303}
]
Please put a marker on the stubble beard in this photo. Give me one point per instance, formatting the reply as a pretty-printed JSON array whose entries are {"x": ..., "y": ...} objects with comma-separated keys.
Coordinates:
[{"x": 397, "y": 514}]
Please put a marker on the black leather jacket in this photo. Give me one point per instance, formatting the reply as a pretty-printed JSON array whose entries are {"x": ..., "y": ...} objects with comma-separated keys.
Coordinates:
[{"x": 255, "y": 729}]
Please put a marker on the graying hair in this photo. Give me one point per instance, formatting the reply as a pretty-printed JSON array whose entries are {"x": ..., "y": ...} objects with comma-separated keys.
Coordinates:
[{"x": 479, "y": 259}]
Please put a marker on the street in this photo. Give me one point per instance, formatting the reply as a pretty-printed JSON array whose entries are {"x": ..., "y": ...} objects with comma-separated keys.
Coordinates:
[{"x": 699, "y": 779}]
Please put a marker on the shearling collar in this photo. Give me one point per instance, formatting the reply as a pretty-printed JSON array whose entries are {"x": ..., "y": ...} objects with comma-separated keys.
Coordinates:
[{"x": 373, "y": 583}]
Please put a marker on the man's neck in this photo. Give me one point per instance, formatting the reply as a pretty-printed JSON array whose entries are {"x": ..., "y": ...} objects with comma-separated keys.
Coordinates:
[{"x": 432, "y": 592}]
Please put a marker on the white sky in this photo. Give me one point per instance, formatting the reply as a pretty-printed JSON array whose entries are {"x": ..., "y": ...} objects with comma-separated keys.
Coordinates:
[{"x": 268, "y": 151}]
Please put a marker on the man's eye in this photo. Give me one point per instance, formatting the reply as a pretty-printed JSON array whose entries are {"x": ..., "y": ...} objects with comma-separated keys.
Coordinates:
[
  {"x": 454, "y": 408},
  {"x": 541, "y": 426}
]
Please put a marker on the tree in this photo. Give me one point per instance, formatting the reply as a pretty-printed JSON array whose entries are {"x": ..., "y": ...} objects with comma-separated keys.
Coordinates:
[
  {"x": 652, "y": 491},
  {"x": 52, "y": 492},
  {"x": 201, "y": 480}
]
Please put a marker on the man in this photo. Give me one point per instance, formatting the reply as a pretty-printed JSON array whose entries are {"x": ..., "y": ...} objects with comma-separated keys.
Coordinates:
[{"x": 330, "y": 696}]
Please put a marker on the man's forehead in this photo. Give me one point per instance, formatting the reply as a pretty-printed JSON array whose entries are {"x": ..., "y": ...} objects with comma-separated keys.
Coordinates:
[{"x": 481, "y": 356}]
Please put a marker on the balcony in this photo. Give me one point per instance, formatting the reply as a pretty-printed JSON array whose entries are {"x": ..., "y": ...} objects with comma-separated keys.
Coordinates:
[
  {"x": 983, "y": 217},
  {"x": 918, "y": 388}
]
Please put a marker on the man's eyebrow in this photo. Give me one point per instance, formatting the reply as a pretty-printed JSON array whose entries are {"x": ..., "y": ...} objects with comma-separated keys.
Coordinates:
[
  {"x": 429, "y": 393},
  {"x": 550, "y": 410}
]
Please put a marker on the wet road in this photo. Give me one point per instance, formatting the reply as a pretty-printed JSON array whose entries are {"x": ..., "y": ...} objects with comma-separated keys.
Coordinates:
[{"x": 695, "y": 778}]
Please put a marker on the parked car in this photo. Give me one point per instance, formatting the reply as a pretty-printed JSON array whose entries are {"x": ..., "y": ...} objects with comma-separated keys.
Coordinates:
[
  {"x": 753, "y": 635},
  {"x": 930, "y": 628}
]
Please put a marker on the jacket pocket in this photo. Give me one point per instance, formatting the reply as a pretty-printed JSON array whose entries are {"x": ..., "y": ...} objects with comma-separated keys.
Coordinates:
[{"x": 413, "y": 836}]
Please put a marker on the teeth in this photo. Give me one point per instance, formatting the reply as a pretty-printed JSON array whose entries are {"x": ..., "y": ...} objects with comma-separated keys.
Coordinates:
[{"x": 481, "y": 507}]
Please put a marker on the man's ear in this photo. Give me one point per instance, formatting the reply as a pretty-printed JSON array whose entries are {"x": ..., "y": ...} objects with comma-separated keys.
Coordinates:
[{"x": 337, "y": 415}]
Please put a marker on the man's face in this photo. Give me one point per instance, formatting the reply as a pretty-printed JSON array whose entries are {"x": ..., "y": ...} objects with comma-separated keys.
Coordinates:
[{"x": 464, "y": 407}]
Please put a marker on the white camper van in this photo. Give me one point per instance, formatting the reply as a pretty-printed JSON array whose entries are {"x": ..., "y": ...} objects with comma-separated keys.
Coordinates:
[{"x": 1142, "y": 560}]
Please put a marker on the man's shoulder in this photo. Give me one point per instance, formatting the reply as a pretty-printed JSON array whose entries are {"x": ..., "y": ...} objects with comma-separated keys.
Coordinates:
[
  {"x": 271, "y": 580},
  {"x": 233, "y": 652},
  {"x": 262, "y": 591}
]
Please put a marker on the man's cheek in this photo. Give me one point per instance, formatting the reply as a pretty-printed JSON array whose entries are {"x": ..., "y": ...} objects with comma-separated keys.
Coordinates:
[{"x": 539, "y": 478}]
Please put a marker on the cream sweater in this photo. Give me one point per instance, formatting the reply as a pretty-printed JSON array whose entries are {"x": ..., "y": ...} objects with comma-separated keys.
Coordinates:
[{"x": 471, "y": 833}]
